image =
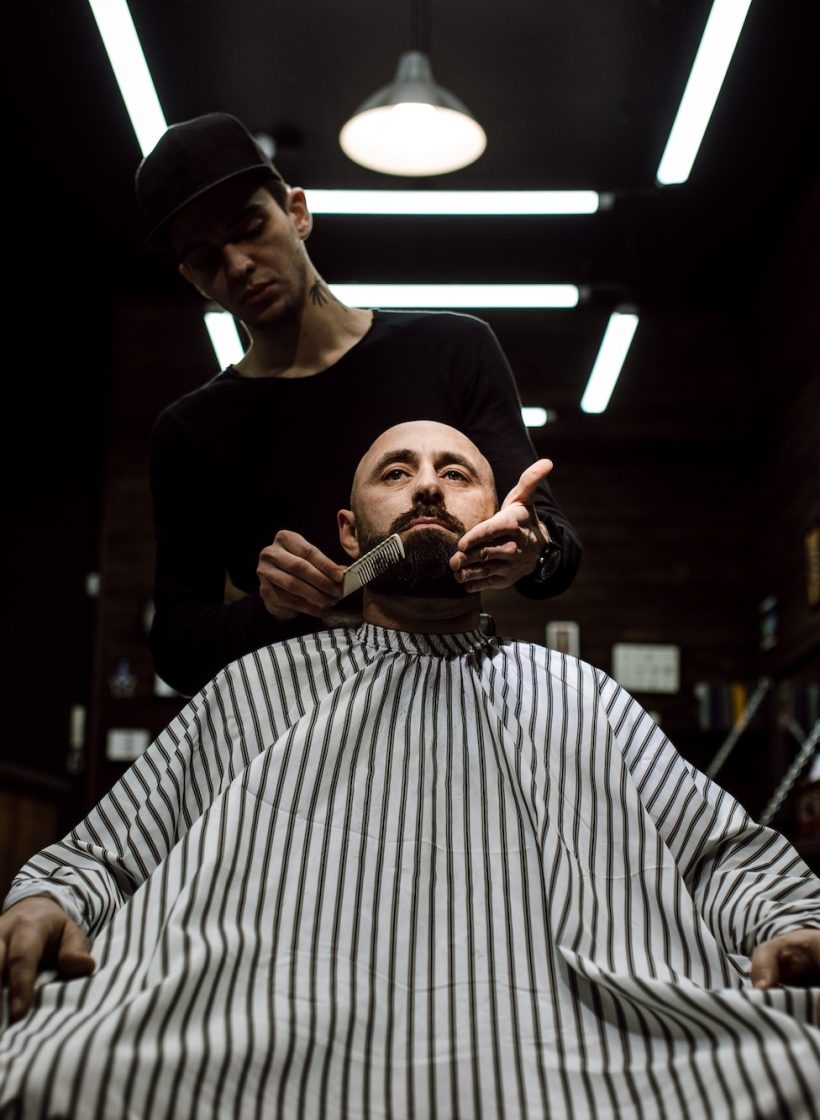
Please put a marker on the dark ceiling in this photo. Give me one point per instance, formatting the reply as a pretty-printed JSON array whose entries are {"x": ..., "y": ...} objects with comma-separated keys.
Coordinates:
[{"x": 577, "y": 94}]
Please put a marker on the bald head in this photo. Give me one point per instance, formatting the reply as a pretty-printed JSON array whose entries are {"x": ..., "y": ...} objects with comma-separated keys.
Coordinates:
[
  {"x": 416, "y": 476},
  {"x": 415, "y": 439}
]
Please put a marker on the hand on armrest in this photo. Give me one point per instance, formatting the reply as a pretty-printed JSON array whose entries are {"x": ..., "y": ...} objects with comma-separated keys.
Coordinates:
[
  {"x": 37, "y": 933},
  {"x": 791, "y": 958}
]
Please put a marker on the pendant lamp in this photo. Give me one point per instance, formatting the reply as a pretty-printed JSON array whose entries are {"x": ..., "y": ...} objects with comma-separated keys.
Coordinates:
[{"x": 413, "y": 126}]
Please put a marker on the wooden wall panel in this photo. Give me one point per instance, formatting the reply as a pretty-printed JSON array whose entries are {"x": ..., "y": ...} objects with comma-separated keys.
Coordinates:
[
  {"x": 160, "y": 351},
  {"x": 33, "y": 813}
]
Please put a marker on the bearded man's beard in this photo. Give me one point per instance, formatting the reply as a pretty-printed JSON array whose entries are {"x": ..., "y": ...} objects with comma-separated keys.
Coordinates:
[{"x": 425, "y": 571}]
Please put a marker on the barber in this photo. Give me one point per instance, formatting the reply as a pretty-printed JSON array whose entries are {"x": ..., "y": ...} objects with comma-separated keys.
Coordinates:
[{"x": 233, "y": 463}]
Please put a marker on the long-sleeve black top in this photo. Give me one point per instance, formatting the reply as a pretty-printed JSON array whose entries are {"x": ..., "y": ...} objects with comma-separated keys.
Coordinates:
[{"x": 239, "y": 459}]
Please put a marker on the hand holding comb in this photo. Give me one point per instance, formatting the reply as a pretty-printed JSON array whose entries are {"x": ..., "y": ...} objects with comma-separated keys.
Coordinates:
[{"x": 372, "y": 564}]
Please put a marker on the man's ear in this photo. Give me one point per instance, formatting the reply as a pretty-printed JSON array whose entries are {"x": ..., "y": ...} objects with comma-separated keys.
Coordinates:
[
  {"x": 299, "y": 214},
  {"x": 346, "y": 521},
  {"x": 186, "y": 272}
]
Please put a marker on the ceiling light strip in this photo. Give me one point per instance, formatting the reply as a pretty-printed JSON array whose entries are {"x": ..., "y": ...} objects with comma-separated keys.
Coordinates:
[
  {"x": 609, "y": 362},
  {"x": 452, "y": 202},
  {"x": 131, "y": 70},
  {"x": 712, "y": 60},
  {"x": 535, "y": 416},
  {"x": 456, "y": 295},
  {"x": 225, "y": 338}
]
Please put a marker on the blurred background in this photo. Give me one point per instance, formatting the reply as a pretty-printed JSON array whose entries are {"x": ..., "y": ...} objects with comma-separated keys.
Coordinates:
[{"x": 696, "y": 492}]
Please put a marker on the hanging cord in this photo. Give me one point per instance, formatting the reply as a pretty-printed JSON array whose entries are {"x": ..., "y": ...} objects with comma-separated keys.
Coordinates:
[
  {"x": 420, "y": 26},
  {"x": 763, "y": 686},
  {"x": 804, "y": 756}
]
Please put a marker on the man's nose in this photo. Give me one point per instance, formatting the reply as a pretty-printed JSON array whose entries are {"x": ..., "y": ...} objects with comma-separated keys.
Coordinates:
[{"x": 428, "y": 485}]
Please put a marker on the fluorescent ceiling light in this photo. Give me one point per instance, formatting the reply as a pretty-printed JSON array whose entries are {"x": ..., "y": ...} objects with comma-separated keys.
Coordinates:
[
  {"x": 456, "y": 295},
  {"x": 452, "y": 202},
  {"x": 535, "y": 417},
  {"x": 611, "y": 356},
  {"x": 708, "y": 71},
  {"x": 130, "y": 69},
  {"x": 225, "y": 338}
]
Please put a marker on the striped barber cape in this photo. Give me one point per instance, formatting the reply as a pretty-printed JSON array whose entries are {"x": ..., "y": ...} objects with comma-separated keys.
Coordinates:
[{"x": 374, "y": 874}]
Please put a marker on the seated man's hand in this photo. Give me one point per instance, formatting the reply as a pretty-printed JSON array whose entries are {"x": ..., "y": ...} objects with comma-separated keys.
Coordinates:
[
  {"x": 37, "y": 933},
  {"x": 498, "y": 552},
  {"x": 791, "y": 958},
  {"x": 296, "y": 578}
]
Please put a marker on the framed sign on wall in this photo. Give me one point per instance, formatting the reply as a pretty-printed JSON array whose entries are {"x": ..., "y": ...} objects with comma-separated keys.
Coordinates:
[{"x": 646, "y": 667}]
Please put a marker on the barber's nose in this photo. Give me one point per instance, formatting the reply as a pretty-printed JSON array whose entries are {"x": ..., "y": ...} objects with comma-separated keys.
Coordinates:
[{"x": 237, "y": 261}]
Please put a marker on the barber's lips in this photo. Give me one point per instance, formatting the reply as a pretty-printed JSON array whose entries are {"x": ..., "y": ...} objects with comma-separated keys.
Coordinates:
[{"x": 259, "y": 295}]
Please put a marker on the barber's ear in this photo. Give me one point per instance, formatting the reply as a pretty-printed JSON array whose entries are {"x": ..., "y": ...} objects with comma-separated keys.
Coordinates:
[
  {"x": 299, "y": 214},
  {"x": 347, "y": 533},
  {"x": 185, "y": 271}
]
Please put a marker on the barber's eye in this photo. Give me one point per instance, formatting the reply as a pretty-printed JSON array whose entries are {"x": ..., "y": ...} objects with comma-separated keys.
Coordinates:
[
  {"x": 201, "y": 262},
  {"x": 205, "y": 260}
]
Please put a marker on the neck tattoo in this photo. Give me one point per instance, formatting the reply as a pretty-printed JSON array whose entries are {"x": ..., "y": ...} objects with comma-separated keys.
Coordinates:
[{"x": 320, "y": 294}]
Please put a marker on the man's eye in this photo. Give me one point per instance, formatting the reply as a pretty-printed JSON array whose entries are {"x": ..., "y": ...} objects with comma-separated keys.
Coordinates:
[
  {"x": 394, "y": 474},
  {"x": 455, "y": 476}
]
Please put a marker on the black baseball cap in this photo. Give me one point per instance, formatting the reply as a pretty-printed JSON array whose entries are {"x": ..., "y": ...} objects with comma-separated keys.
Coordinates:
[{"x": 191, "y": 158}]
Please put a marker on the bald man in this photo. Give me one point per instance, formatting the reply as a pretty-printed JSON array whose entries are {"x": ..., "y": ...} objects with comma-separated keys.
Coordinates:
[{"x": 410, "y": 869}]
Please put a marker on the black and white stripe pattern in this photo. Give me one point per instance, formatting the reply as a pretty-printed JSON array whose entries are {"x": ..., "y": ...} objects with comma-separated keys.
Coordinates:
[{"x": 373, "y": 874}]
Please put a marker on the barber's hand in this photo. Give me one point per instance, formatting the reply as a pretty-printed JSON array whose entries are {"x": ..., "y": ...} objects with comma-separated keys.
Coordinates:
[
  {"x": 791, "y": 958},
  {"x": 37, "y": 933},
  {"x": 498, "y": 552},
  {"x": 296, "y": 578}
]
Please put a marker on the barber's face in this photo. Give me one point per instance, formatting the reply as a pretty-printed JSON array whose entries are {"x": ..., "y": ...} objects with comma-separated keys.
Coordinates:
[
  {"x": 428, "y": 483},
  {"x": 237, "y": 246}
]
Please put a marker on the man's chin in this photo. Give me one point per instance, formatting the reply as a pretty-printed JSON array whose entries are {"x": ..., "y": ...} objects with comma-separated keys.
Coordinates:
[
  {"x": 433, "y": 590},
  {"x": 426, "y": 543},
  {"x": 425, "y": 571},
  {"x": 442, "y": 587}
]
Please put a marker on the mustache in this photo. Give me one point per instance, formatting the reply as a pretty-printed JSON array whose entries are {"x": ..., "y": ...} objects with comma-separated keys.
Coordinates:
[{"x": 430, "y": 509}]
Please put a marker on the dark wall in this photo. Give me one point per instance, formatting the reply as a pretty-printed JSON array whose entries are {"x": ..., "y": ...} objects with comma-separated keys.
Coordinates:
[
  {"x": 52, "y": 469},
  {"x": 657, "y": 488},
  {"x": 787, "y": 438},
  {"x": 52, "y": 465}
]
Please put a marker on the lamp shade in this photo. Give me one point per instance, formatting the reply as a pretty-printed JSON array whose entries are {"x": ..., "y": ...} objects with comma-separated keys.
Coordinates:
[{"x": 413, "y": 126}]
